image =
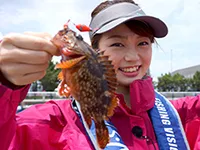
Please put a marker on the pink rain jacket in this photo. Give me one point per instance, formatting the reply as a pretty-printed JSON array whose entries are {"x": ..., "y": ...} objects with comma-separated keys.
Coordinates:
[{"x": 55, "y": 126}]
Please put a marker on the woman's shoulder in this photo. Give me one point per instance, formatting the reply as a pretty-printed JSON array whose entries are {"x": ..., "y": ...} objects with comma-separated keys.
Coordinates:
[{"x": 46, "y": 112}]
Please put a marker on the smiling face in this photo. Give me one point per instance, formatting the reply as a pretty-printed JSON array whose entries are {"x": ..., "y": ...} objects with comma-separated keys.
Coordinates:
[{"x": 131, "y": 54}]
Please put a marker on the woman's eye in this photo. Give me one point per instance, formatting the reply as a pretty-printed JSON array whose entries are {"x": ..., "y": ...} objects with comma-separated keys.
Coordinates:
[
  {"x": 143, "y": 43},
  {"x": 116, "y": 45}
]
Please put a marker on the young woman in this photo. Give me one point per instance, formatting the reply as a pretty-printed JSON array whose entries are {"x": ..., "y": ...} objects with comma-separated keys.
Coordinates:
[{"x": 144, "y": 119}]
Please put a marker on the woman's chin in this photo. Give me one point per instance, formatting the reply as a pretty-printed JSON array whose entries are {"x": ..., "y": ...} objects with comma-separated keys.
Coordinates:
[{"x": 124, "y": 81}]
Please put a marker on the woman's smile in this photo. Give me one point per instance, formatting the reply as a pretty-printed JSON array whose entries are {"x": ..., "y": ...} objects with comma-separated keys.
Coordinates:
[{"x": 131, "y": 71}]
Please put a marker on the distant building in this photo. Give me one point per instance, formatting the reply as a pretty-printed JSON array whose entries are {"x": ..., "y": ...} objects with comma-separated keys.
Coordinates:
[{"x": 187, "y": 72}]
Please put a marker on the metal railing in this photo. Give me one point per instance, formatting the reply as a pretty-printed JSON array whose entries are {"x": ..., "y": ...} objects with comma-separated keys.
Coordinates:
[
  {"x": 175, "y": 95},
  {"x": 42, "y": 97},
  {"x": 46, "y": 96}
]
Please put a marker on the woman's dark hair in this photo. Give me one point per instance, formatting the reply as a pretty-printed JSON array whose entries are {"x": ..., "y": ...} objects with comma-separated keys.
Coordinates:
[{"x": 138, "y": 27}]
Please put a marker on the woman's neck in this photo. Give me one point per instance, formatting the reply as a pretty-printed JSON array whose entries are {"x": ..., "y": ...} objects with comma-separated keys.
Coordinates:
[{"x": 125, "y": 90}]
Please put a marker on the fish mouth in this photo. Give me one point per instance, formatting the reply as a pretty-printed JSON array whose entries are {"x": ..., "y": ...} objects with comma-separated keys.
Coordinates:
[
  {"x": 70, "y": 54},
  {"x": 69, "y": 59},
  {"x": 73, "y": 57}
]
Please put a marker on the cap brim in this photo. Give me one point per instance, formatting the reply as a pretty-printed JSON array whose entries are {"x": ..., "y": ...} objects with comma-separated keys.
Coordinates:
[
  {"x": 119, "y": 13},
  {"x": 159, "y": 27}
]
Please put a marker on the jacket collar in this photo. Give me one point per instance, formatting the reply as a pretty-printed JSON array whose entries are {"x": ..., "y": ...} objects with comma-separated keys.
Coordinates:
[{"x": 142, "y": 97}]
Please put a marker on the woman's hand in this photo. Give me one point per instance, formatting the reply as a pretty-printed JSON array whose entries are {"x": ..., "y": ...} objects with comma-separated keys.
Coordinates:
[{"x": 24, "y": 57}]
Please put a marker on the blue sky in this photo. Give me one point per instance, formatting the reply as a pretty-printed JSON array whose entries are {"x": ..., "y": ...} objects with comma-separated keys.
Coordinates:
[{"x": 180, "y": 49}]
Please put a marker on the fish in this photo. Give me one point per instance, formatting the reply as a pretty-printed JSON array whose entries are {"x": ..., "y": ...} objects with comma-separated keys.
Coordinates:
[{"x": 89, "y": 76}]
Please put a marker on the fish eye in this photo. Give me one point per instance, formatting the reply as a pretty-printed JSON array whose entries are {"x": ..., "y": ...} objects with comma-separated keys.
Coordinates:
[
  {"x": 62, "y": 32},
  {"x": 79, "y": 37}
]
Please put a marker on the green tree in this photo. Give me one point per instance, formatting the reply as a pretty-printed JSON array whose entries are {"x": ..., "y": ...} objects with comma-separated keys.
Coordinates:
[
  {"x": 165, "y": 82},
  {"x": 50, "y": 80},
  {"x": 179, "y": 82},
  {"x": 189, "y": 84},
  {"x": 196, "y": 81}
]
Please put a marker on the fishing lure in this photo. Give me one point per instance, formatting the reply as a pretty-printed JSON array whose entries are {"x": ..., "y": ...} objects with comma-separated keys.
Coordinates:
[{"x": 89, "y": 76}]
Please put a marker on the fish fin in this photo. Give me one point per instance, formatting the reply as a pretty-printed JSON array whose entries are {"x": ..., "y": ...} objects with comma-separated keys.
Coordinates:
[
  {"x": 69, "y": 63},
  {"x": 65, "y": 64},
  {"x": 60, "y": 76},
  {"x": 109, "y": 71},
  {"x": 112, "y": 88},
  {"x": 114, "y": 103},
  {"x": 102, "y": 134}
]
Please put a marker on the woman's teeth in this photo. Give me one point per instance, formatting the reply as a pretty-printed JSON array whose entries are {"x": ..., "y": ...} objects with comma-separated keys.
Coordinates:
[{"x": 132, "y": 69}]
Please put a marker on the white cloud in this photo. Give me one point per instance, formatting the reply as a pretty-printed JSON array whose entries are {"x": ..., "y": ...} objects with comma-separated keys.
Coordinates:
[{"x": 159, "y": 8}]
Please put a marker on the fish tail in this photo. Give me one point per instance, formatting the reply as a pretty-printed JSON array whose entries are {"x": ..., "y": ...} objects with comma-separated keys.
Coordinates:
[
  {"x": 102, "y": 134},
  {"x": 87, "y": 116}
]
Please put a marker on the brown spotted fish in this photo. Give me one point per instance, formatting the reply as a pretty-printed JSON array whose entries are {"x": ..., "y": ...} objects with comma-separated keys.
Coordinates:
[{"x": 89, "y": 77}]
